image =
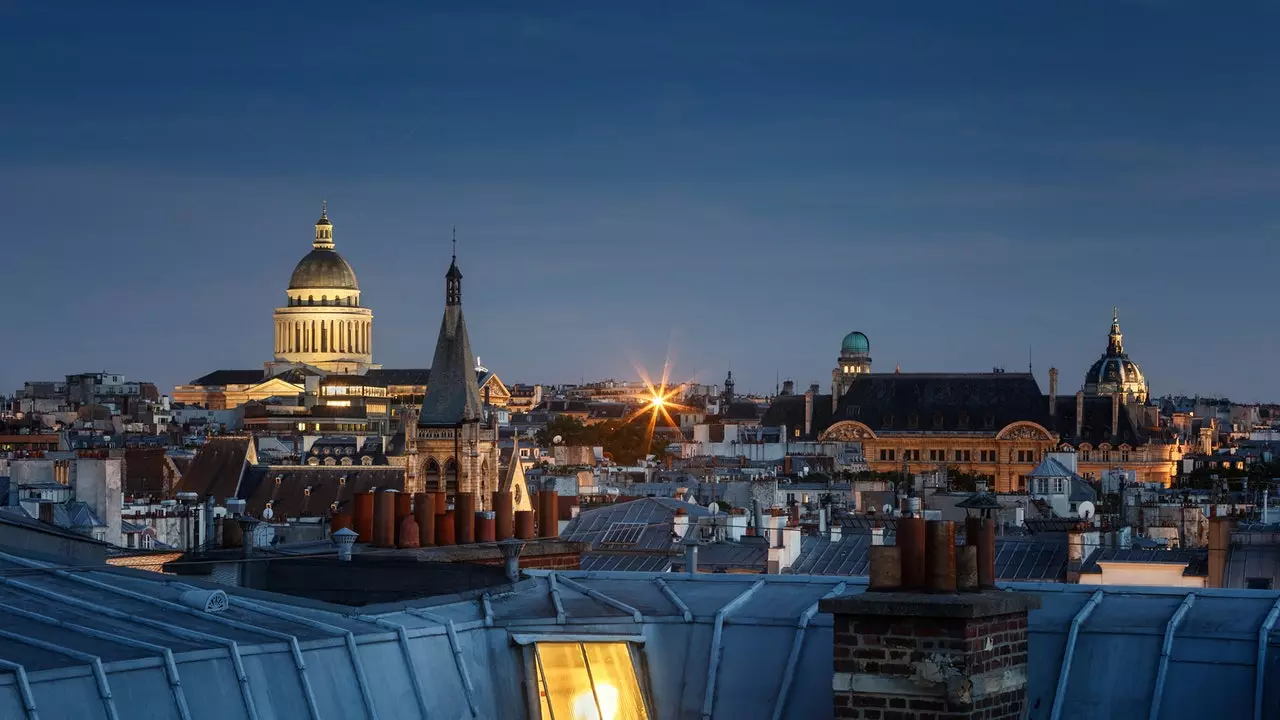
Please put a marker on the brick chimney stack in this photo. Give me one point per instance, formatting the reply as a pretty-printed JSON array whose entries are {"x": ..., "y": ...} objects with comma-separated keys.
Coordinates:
[
  {"x": 928, "y": 651},
  {"x": 1053, "y": 392}
]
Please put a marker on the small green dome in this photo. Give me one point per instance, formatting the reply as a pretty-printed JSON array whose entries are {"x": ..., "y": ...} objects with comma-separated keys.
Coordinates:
[{"x": 856, "y": 342}]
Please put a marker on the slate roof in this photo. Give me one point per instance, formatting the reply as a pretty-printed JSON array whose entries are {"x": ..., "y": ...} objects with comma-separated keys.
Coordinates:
[
  {"x": 652, "y": 519},
  {"x": 741, "y": 411},
  {"x": 788, "y": 410},
  {"x": 296, "y": 491},
  {"x": 1016, "y": 558},
  {"x": 727, "y": 556},
  {"x": 231, "y": 377},
  {"x": 1196, "y": 559},
  {"x": 96, "y": 643},
  {"x": 1078, "y": 489},
  {"x": 627, "y": 562},
  {"x": 1097, "y": 423},
  {"x": 1254, "y": 553},
  {"x": 217, "y": 467},
  {"x": 454, "y": 395},
  {"x": 966, "y": 402}
]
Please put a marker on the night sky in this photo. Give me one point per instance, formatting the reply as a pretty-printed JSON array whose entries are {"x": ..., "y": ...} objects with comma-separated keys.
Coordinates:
[{"x": 737, "y": 183}]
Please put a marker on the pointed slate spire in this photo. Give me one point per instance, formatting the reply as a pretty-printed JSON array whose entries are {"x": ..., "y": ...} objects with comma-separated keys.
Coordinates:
[{"x": 453, "y": 393}]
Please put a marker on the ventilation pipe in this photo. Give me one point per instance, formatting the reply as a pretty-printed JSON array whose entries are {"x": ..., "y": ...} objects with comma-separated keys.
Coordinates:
[
  {"x": 344, "y": 539},
  {"x": 1079, "y": 414},
  {"x": 510, "y": 550}
]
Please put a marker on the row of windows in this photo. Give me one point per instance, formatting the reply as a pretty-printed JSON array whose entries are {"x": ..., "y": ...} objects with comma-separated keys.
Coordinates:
[
  {"x": 939, "y": 420},
  {"x": 942, "y": 455},
  {"x": 1104, "y": 455},
  {"x": 349, "y": 301}
]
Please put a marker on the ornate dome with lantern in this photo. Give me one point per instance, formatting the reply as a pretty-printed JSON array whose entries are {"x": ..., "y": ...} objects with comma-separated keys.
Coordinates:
[
  {"x": 1114, "y": 373},
  {"x": 323, "y": 323}
]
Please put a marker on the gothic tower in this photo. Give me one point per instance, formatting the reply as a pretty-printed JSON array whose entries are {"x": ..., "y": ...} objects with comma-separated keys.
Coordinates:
[{"x": 454, "y": 448}]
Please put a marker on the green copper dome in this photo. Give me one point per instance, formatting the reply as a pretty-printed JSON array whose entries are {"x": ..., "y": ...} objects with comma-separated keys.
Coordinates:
[{"x": 856, "y": 342}]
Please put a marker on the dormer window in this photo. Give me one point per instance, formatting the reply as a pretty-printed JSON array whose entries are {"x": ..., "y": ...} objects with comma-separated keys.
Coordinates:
[
  {"x": 988, "y": 421},
  {"x": 913, "y": 421},
  {"x": 937, "y": 420}
]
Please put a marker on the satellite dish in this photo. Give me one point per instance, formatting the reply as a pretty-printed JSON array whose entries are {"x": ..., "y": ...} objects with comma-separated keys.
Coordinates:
[
  {"x": 557, "y": 440},
  {"x": 267, "y": 513},
  {"x": 887, "y": 509},
  {"x": 1085, "y": 510}
]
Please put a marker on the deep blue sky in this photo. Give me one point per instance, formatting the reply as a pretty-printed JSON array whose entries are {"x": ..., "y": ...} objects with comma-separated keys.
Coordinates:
[{"x": 741, "y": 182}]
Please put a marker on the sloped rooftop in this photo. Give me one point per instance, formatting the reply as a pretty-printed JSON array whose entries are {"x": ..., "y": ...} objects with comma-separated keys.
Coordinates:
[{"x": 92, "y": 644}]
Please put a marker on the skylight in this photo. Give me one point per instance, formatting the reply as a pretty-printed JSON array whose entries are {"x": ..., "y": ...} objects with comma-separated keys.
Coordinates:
[
  {"x": 587, "y": 681},
  {"x": 623, "y": 533}
]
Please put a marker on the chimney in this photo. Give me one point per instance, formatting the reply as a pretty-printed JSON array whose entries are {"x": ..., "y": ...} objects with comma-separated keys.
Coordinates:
[
  {"x": 788, "y": 387},
  {"x": 384, "y": 519},
  {"x": 344, "y": 538},
  {"x": 691, "y": 555},
  {"x": 1053, "y": 392},
  {"x": 464, "y": 517},
  {"x": 362, "y": 516},
  {"x": 510, "y": 550},
  {"x": 247, "y": 524},
  {"x": 1079, "y": 414},
  {"x": 808, "y": 412},
  {"x": 1219, "y": 542},
  {"x": 503, "y": 515},
  {"x": 758, "y": 517},
  {"x": 524, "y": 524},
  {"x": 1115, "y": 415},
  {"x": 877, "y": 536},
  {"x": 944, "y": 653},
  {"x": 424, "y": 512},
  {"x": 680, "y": 523}
]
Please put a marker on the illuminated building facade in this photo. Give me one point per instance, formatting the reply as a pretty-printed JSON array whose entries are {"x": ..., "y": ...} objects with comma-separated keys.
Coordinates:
[{"x": 323, "y": 324}]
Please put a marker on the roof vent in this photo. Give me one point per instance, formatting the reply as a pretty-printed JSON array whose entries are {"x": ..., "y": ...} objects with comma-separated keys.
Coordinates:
[
  {"x": 344, "y": 538},
  {"x": 210, "y": 601}
]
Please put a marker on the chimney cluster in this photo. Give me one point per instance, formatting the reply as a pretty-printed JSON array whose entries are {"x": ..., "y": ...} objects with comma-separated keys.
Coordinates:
[
  {"x": 391, "y": 519},
  {"x": 931, "y": 637}
]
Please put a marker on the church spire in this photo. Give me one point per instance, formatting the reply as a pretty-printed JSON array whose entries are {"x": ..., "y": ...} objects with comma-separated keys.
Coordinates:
[
  {"x": 453, "y": 278},
  {"x": 324, "y": 229},
  {"x": 453, "y": 393}
]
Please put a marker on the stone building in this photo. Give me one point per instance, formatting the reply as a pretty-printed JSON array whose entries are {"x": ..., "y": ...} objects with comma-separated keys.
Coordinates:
[
  {"x": 996, "y": 424},
  {"x": 323, "y": 324},
  {"x": 453, "y": 447}
]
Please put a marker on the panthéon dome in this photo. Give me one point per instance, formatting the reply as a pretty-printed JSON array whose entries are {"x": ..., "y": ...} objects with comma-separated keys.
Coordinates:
[{"x": 323, "y": 267}]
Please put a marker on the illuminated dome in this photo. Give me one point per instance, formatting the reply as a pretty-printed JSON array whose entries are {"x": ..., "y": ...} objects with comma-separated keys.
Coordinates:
[
  {"x": 856, "y": 342},
  {"x": 1114, "y": 373},
  {"x": 323, "y": 269}
]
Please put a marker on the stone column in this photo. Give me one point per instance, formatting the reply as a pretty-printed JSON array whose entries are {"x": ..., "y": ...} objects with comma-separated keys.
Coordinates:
[{"x": 912, "y": 655}]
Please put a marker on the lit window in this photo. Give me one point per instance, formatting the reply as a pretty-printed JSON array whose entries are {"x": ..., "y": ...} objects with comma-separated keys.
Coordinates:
[{"x": 587, "y": 681}]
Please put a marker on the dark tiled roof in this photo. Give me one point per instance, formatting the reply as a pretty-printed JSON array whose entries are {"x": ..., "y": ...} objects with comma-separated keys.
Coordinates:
[
  {"x": 821, "y": 556},
  {"x": 1026, "y": 559},
  {"x": 608, "y": 410},
  {"x": 401, "y": 376},
  {"x": 216, "y": 468},
  {"x": 741, "y": 411},
  {"x": 148, "y": 472},
  {"x": 1257, "y": 557},
  {"x": 453, "y": 395},
  {"x": 309, "y": 491},
  {"x": 1097, "y": 423},
  {"x": 943, "y": 402},
  {"x": 727, "y": 556},
  {"x": 788, "y": 410},
  {"x": 231, "y": 377},
  {"x": 635, "y": 526},
  {"x": 627, "y": 562},
  {"x": 1016, "y": 559},
  {"x": 1194, "y": 558}
]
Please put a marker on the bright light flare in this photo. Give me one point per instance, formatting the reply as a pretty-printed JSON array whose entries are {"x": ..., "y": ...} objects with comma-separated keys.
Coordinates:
[{"x": 662, "y": 400}]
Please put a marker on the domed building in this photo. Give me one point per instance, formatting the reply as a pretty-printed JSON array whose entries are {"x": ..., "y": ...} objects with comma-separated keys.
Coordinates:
[
  {"x": 1114, "y": 373},
  {"x": 323, "y": 324},
  {"x": 855, "y": 359}
]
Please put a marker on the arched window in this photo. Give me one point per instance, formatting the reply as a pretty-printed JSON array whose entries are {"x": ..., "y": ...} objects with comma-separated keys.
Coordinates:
[
  {"x": 329, "y": 461},
  {"x": 432, "y": 475},
  {"x": 451, "y": 476},
  {"x": 311, "y": 300}
]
